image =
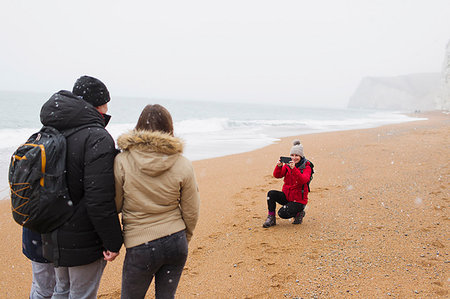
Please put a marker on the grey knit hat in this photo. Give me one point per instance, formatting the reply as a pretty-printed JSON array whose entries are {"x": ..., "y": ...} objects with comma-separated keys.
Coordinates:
[{"x": 297, "y": 148}]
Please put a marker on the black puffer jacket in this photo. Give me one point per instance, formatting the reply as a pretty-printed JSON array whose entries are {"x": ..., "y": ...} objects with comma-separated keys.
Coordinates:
[{"x": 95, "y": 225}]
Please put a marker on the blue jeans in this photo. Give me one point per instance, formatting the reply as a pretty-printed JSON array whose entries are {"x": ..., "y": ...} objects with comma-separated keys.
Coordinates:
[{"x": 163, "y": 258}]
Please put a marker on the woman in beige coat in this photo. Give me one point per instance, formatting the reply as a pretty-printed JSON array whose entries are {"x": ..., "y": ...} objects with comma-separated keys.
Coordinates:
[{"x": 157, "y": 193}]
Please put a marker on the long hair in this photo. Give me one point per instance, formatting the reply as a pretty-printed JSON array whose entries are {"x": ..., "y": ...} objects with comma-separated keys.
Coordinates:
[{"x": 155, "y": 118}]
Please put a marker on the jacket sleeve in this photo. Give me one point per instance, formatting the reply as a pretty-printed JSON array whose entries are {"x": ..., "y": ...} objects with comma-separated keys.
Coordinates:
[
  {"x": 302, "y": 178},
  {"x": 279, "y": 172},
  {"x": 118, "y": 183},
  {"x": 99, "y": 188},
  {"x": 190, "y": 202}
]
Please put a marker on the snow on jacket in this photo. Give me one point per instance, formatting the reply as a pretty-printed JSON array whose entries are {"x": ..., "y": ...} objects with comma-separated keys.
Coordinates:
[
  {"x": 295, "y": 180},
  {"x": 32, "y": 245},
  {"x": 156, "y": 189},
  {"x": 94, "y": 226}
]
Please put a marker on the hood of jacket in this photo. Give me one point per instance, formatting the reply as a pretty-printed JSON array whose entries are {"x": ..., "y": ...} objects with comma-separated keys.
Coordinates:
[
  {"x": 153, "y": 152},
  {"x": 64, "y": 111}
]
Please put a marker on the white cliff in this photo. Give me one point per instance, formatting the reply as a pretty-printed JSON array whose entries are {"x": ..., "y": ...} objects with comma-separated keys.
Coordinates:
[
  {"x": 407, "y": 93},
  {"x": 443, "y": 97}
]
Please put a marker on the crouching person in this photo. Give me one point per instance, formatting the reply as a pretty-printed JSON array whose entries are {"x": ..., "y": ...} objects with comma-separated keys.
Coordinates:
[{"x": 294, "y": 195}]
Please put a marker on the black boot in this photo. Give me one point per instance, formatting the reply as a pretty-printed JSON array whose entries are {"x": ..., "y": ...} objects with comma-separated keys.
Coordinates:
[
  {"x": 270, "y": 221},
  {"x": 298, "y": 219}
]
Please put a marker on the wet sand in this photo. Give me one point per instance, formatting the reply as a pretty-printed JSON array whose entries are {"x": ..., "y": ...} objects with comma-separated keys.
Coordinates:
[{"x": 376, "y": 225}]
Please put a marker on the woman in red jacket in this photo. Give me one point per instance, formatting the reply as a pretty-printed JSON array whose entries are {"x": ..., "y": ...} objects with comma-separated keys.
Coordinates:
[{"x": 294, "y": 195}]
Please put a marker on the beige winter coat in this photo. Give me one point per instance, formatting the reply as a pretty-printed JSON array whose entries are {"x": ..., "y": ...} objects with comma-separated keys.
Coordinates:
[{"x": 156, "y": 190}]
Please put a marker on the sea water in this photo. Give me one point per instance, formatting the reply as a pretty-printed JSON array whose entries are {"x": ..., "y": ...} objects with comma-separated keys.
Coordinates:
[{"x": 209, "y": 129}]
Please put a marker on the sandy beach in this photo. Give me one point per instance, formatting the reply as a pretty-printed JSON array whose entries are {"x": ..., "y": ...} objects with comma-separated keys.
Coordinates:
[{"x": 376, "y": 225}]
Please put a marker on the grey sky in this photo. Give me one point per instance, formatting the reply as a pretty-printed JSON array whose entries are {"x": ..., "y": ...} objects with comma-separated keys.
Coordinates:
[{"x": 304, "y": 52}]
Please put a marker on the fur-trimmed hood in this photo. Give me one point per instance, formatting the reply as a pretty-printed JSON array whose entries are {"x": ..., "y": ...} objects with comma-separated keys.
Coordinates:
[
  {"x": 154, "y": 141},
  {"x": 152, "y": 152}
]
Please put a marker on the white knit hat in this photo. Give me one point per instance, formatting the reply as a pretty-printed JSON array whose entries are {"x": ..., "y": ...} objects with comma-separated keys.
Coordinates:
[{"x": 297, "y": 148}]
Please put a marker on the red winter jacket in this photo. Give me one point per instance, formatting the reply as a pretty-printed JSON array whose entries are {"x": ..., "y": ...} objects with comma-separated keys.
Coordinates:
[{"x": 295, "y": 180}]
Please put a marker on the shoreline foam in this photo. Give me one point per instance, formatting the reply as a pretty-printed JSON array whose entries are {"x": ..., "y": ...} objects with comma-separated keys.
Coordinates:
[{"x": 205, "y": 143}]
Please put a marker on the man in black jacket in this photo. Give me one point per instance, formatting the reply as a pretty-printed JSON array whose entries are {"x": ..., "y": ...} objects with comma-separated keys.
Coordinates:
[{"x": 80, "y": 248}]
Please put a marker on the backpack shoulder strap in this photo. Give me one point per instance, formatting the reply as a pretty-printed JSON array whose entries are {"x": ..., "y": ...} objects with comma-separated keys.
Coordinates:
[{"x": 303, "y": 165}]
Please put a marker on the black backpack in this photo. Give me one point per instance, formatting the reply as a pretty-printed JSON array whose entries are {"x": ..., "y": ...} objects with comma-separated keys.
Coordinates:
[
  {"x": 302, "y": 166},
  {"x": 40, "y": 198}
]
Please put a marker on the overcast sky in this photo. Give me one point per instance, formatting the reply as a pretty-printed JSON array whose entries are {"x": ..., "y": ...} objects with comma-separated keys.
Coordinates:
[{"x": 304, "y": 52}]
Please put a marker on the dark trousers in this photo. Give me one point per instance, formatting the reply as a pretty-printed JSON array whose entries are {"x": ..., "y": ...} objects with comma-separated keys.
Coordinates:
[
  {"x": 163, "y": 258},
  {"x": 289, "y": 208}
]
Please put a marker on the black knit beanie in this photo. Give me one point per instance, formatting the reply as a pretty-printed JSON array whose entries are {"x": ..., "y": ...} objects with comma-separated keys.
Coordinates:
[{"x": 91, "y": 90}]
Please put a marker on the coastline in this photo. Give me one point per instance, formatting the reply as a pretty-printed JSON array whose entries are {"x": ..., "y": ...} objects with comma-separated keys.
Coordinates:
[
  {"x": 219, "y": 137},
  {"x": 376, "y": 222}
]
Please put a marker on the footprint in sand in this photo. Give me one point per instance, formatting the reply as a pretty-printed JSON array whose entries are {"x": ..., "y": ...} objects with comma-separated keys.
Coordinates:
[
  {"x": 214, "y": 236},
  {"x": 197, "y": 250},
  {"x": 280, "y": 279},
  {"x": 312, "y": 257},
  {"x": 438, "y": 244}
]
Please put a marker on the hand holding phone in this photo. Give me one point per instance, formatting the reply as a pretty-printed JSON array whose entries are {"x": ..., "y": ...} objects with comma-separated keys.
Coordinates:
[{"x": 285, "y": 160}]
